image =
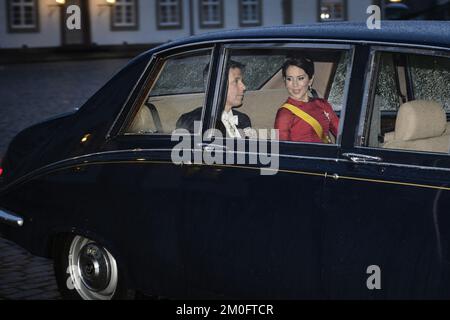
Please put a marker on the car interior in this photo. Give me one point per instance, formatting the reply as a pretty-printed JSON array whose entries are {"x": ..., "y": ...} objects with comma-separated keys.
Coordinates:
[
  {"x": 265, "y": 92},
  {"x": 407, "y": 112}
]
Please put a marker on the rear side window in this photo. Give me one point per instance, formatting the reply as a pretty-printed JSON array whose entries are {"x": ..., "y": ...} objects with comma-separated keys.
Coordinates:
[
  {"x": 431, "y": 78},
  {"x": 177, "y": 88},
  {"x": 182, "y": 75},
  {"x": 408, "y": 105}
]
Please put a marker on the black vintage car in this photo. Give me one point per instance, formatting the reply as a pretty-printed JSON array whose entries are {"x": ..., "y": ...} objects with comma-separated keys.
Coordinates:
[{"x": 366, "y": 217}]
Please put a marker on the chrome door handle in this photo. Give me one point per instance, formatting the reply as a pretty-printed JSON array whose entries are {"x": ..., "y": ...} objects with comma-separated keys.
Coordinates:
[
  {"x": 361, "y": 158},
  {"x": 210, "y": 147}
]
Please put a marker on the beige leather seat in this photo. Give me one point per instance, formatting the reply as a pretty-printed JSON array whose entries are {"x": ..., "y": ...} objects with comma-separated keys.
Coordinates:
[
  {"x": 142, "y": 122},
  {"x": 420, "y": 125}
]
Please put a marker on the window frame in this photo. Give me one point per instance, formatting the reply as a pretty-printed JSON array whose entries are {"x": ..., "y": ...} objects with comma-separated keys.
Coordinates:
[
  {"x": 22, "y": 29},
  {"x": 260, "y": 11},
  {"x": 130, "y": 27},
  {"x": 289, "y": 146},
  {"x": 344, "y": 14},
  {"x": 132, "y": 107},
  {"x": 411, "y": 157},
  {"x": 204, "y": 25},
  {"x": 176, "y": 25}
]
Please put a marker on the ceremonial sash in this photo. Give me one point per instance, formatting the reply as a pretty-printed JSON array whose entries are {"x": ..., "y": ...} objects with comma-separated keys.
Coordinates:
[{"x": 308, "y": 119}]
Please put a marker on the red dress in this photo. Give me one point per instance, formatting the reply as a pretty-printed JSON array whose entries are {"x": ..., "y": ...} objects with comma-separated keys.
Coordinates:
[{"x": 293, "y": 128}]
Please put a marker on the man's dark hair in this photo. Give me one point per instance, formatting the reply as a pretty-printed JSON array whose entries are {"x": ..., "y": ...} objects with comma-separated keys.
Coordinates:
[
  {"x": 232, "y": 64},
  {"x": 301, "y": 62}
]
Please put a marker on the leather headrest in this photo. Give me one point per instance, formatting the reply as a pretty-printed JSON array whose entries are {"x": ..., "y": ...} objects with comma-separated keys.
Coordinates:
[
  {"x": 420, "y": 119},
  {"x": 142, "y": 121}
]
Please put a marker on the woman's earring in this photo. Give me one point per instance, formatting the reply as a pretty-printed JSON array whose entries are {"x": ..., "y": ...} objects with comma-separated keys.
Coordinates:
[{"x": 310, "y": 91}]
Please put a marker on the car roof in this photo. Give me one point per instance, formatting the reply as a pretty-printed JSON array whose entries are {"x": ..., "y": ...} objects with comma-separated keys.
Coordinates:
[{"x": 431, "y": 33}]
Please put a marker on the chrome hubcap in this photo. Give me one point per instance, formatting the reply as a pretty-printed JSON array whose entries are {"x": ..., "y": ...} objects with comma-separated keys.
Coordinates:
[
  {"x": 94, "y": 266},
  {"x": 92, "y": 269}
]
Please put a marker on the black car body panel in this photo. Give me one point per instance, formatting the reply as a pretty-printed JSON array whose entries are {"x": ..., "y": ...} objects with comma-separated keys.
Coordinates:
[{"x": 200, "y": 230}]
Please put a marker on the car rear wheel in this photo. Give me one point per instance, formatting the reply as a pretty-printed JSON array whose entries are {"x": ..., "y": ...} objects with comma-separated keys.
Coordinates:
[{"x": 86, "y": 270}]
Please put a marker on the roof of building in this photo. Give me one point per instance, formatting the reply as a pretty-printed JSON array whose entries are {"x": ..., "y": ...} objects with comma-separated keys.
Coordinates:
[{"x": 434, "y": 33}]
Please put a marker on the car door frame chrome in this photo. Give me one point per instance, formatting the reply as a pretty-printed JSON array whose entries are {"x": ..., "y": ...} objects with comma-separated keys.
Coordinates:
[
  {"x": 368, "y": 90},
  {"x": 114, "y": 132},
  {"x": 143, "y": 87},
  {"x": 350, "y": 48}
]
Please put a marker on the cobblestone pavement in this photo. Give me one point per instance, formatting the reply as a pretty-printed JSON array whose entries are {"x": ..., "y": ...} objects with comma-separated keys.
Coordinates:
[
  {"x": 30, "y": 93},
  {"x": 24, "y": 276}
]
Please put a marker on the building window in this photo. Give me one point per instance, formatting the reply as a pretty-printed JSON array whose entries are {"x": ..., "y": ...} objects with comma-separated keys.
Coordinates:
[
  {"x": 332, "y": 10},
  {"x": 124, "y": 15},
  {"x": 22, "y": 15},
  {"x": 211, "y": 13},
  {"x": 169, "y": 14},
  {"x": 250, "y": 13}
]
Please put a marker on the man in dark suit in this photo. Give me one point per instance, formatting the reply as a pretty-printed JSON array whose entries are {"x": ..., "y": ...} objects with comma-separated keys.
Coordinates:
[{"x": 231, "y": 120}]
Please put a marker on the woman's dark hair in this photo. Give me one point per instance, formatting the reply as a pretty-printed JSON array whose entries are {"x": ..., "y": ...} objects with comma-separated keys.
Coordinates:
[{"x": 301, "y": 62}]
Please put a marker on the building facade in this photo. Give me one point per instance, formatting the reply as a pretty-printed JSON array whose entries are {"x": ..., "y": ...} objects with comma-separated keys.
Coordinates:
[{"x": 58, "y": 23}]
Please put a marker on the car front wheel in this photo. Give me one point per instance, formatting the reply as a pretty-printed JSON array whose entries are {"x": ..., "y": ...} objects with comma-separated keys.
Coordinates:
[{"x": 86, "y": 270}]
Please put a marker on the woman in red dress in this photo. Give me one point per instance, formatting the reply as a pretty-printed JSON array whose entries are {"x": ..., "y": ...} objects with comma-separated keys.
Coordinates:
[{"x": 303, "y": 118}]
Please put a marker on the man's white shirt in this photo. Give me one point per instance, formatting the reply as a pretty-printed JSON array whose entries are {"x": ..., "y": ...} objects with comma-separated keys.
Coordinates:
[{"x": 230, "y": 122}]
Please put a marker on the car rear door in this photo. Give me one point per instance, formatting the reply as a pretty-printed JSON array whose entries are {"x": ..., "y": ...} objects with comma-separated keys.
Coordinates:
[
  {"x": 386, "y": 202},
  {"x": 254, "y": 225}
]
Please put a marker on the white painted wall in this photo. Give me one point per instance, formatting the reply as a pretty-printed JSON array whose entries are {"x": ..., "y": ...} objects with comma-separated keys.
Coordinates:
[
  {"x": 304, "y": 11},
  {"x": 356, "y": 10},
  {"x": 147, "y": 32},
  {"x": 272, "y": 12},
  {"x": 49, "y": 34}
]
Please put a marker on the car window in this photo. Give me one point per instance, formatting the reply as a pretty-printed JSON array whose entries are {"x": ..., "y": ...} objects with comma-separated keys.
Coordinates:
[
  {"x": 260, "y": 68},
  {"x": 177, "y": 92},
  {"x": 336, "y": 96},
  {"x": 408, "y": 108},
  {"x": 266, "y": 93},
  {"x": 437, "y": 70}
]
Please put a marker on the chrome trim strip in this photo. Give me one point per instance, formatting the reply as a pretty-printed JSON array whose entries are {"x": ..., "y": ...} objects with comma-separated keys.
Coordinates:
[
  {"x": 87, "y": 156},
  {"x": 10, "y": 219},
  {"x": 138, "y": 150},
  {"x": 286, "y": 45},
  {"x": 335, "y": 176}
]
